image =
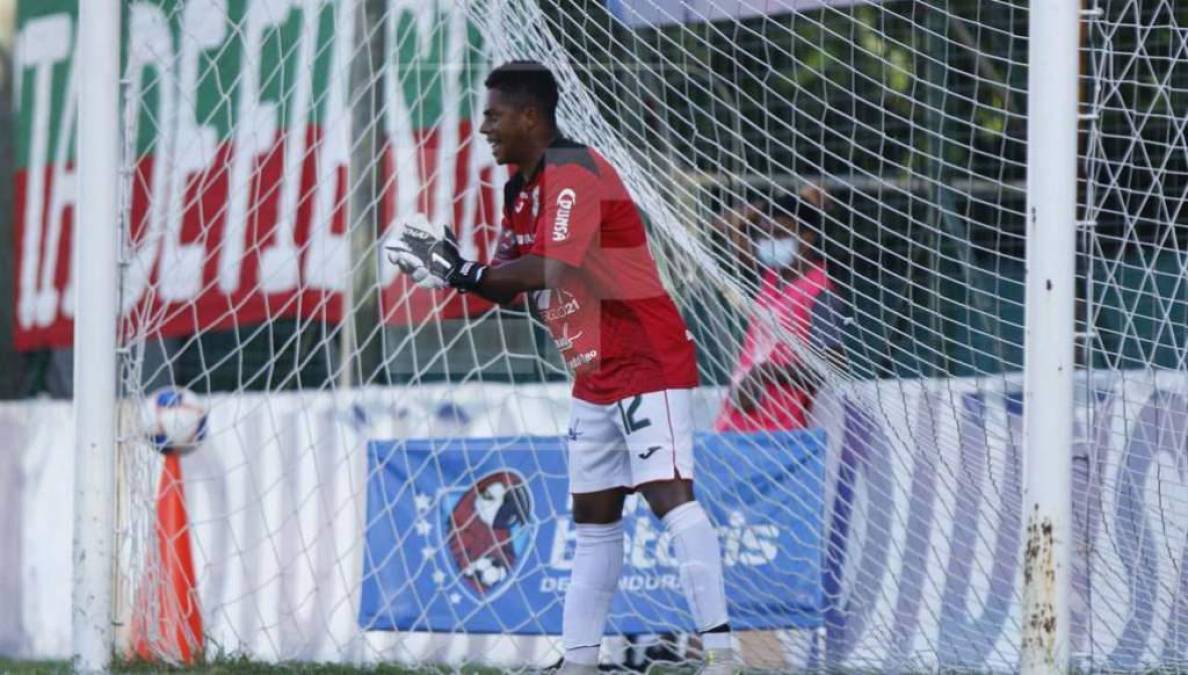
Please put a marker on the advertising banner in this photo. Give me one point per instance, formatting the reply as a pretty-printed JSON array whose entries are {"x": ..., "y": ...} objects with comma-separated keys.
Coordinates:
[
  {"x": 238, "y": 123},
  {"x": 237, "y": 152},
  {"x": 925, "y": 522},
  {"x": 474, "y": 535}
]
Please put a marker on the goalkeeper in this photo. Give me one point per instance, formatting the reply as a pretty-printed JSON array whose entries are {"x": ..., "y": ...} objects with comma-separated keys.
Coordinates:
[{"x": 573, "y": 239}]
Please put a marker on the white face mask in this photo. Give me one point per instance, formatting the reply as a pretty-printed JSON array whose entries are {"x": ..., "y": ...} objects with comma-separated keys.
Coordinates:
[{"x": 777, "y": 252}]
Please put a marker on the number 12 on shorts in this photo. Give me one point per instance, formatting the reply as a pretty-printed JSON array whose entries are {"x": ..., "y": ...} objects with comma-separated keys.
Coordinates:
[{"x": 632, "y": 423}]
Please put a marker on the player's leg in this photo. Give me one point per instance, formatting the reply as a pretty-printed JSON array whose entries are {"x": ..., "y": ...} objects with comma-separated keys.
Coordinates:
[
  {"x": 665, "y": 495},
  {"x": 598, "y": 474},
  {"x": 597, "y": 566},
  {"x": 599, "y": 508},
  {"x": 695, "y": 545},
  {"x": 659, "y": 432}
]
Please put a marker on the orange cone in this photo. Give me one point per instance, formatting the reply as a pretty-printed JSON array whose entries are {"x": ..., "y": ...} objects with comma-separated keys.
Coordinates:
[{"x": 170, "y": 628}]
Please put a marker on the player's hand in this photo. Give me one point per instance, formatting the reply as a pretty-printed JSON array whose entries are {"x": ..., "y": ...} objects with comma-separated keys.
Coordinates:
[
  {"x": 402, "y": 256},
  {"x": 438, "y": 253},
  {"x": 431, "y": 256}
]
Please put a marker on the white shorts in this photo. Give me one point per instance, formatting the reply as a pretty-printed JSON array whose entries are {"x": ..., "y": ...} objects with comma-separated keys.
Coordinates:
[{"x": 628, "y": 443}]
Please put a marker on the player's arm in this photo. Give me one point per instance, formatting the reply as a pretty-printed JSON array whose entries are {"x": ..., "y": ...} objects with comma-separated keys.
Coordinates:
[
  {"x": 433, "y": 260},
  {"x": 502, "y": 283},
  {"x": 568, "y": 222},
  {"x": 522, "y": 273}
]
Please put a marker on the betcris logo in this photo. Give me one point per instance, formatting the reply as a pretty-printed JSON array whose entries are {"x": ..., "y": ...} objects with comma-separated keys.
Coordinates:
[{"x": 565, "y": 202}]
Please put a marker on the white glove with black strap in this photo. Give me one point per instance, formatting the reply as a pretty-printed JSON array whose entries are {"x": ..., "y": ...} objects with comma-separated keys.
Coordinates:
[
  {"x": 400, "y": 255},
  {"x": 431, "y": 257}
]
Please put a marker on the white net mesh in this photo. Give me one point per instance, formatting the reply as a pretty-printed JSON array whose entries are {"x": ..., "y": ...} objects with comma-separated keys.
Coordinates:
[
  {"x": 1130, "y": 508},
  {"x": 270, "y": 143}
]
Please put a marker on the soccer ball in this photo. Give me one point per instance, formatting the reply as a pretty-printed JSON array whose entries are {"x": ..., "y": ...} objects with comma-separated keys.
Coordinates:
[{"x": 174, "y": 419}]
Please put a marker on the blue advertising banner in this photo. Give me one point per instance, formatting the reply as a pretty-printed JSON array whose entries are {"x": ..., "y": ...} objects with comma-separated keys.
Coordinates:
[{"x": 474, "y": 535}]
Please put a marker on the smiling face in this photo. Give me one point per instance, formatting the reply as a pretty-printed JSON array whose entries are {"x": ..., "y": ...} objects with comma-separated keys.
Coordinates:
[{"x": 508, "y": 125}]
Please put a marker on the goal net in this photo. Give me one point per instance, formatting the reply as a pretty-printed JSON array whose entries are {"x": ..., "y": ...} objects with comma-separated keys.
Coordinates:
[{"x": 383, "y": 472}]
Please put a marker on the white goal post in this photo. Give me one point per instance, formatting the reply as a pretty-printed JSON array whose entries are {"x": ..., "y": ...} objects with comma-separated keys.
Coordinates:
[
  {"x": 95, "y": 338},
  {"x": 1049, "y": 347},
  {"x": 992, "y": 475}
]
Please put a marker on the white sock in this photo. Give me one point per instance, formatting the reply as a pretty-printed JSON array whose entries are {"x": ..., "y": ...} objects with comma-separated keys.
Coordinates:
[
  {"x": 696, "y": 546},
  {"x": 597, "y": 565}
]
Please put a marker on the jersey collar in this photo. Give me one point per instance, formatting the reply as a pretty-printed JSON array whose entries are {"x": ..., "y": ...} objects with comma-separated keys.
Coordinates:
[{"x": 560, "y": 141}]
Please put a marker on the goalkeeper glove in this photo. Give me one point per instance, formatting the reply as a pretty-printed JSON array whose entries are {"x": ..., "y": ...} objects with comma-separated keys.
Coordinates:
[{"x": 433, "y": 259}]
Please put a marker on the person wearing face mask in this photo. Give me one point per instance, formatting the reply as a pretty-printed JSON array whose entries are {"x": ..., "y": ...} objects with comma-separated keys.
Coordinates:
[{"x": 772, "y": 387}]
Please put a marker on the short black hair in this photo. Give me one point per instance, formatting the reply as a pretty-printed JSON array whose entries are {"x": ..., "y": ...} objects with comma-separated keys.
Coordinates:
[{"x": 530, "y": 81}]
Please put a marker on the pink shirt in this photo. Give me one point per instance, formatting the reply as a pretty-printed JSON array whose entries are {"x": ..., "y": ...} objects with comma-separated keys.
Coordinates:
[{"x": 789, "y": 305}]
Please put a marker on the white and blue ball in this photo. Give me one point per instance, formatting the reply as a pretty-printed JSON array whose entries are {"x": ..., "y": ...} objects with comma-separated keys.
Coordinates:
[{"x": 175, "y": 419}]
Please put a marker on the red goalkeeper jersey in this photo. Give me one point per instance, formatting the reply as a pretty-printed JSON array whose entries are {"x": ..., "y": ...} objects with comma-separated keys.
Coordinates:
[{"x": 616, "y": 327}]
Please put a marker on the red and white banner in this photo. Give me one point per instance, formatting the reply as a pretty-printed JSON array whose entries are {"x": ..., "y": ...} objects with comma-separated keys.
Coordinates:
[{"x": 238, "y": 124}]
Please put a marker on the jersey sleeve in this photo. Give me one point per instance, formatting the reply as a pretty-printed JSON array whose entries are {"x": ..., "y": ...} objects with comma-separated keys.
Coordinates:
[{"x": 570, "y": 213}]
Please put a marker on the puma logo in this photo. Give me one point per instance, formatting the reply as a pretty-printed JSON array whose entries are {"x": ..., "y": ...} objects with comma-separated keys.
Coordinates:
[{"x": 650, "y": 451}]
